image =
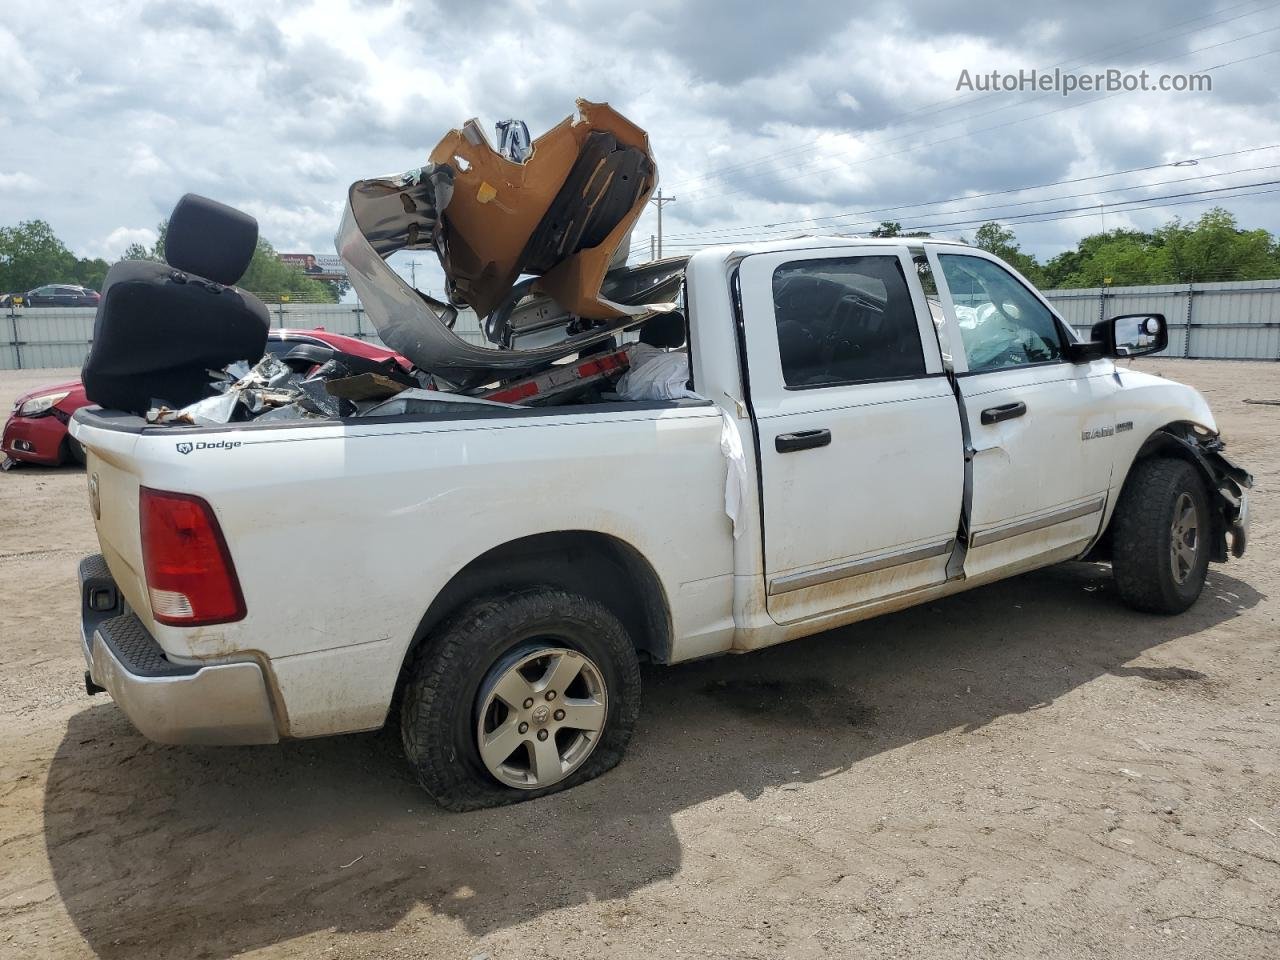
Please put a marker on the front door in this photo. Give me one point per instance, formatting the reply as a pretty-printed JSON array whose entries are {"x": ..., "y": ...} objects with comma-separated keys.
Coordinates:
[
  {"x": 1038, "y": 487},
  {"x": 861, "y": 452}
]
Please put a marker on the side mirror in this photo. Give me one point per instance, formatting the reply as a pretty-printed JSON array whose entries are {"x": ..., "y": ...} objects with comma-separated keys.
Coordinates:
[
  {"x": 1130, "y": 335},
  {"x": 1134, "y": 334}
]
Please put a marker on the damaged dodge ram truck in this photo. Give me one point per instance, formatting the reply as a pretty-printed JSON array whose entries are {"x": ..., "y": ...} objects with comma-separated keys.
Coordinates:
[{"x": 865, "y": 425}]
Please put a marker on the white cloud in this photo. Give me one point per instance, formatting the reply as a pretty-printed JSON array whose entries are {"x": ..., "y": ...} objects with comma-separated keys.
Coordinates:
[
  {"x": 297, "y": 229},
  {"x": 313, "y": 166},
  {"x": 19, "y": 80},
  {"x": 114, "y": 243},
  {"x": 144, "y": 162},
  {"x": 17, "y": 181},
  {"x": 818, "y": 110}
]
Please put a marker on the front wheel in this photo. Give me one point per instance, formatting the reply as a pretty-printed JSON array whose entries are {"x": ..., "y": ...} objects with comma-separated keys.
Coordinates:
[
  {"x": 518, "y": 696},
  {"x": 1161, "y": 537}
]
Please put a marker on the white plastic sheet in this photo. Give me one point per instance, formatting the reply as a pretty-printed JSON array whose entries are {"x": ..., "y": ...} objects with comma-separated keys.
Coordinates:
[
  {"x": 735, "y": 478},
  {"x": 655, "y": 374}
]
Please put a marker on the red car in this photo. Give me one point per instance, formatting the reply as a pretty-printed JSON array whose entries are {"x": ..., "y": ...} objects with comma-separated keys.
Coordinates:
[{"x": 36, "y": 431}]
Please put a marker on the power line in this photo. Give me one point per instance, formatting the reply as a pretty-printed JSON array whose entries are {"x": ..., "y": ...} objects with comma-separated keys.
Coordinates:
[
  {"x": 998, "y": 126},
  {"x": 1074, "y": 213},
  {"x": 659, "y": 201},
  {"x": 1087, "y": 58},
  {"x": 714, "y": 174},
  {"x": 1140, "y": 203},
  {"x": 1069, "y": 196},
  {"x": 754, "y": 229},
  {"x": 965, "y": 119},
  {"x": 1130, "y": 49}
]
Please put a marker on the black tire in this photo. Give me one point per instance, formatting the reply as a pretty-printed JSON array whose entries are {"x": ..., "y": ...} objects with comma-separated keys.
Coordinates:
[
  {"x": 441, "y": 699},
  {"x": 1142, "y": 537},
  {"x": 75, "y": 452}
]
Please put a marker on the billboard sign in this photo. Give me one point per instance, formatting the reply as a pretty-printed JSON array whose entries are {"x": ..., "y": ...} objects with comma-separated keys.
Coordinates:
[{"x": 319, "y": 266}]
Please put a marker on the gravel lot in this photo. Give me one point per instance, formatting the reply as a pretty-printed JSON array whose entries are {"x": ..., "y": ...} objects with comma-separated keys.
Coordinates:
[{"x": 1026, "y": 770}]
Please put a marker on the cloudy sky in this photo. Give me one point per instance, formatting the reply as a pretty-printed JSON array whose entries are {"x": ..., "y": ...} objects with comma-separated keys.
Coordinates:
[{"x": 763, "y": 117}]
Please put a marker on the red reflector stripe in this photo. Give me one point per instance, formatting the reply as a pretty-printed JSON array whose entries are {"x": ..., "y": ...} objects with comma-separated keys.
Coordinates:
[
  {"x": 514, "y": 393},
  {"x": 559, "y": 376}
]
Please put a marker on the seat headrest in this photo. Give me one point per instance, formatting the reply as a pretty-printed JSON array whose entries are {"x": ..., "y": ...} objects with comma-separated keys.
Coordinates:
[
  {"x": 210, "y": 239},
  {"x": 664, "y": 330}
]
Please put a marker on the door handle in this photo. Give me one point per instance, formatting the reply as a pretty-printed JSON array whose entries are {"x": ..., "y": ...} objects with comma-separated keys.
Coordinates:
[
  {"x": 1006, "y": 411},
  {"x": 803, "y": 440}
]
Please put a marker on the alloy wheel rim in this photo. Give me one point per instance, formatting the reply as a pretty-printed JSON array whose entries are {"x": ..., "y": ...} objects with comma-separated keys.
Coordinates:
[
  {"x": 540, "y": 715},
  {"x": 1184, "y": 538}
]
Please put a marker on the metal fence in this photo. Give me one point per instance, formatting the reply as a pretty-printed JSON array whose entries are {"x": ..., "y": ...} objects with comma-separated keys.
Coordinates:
[
  {"x": 1237, "y": 320},
  {"x": 35, "y": 337}
]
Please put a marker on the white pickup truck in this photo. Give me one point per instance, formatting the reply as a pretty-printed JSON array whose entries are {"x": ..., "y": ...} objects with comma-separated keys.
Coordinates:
[{"x": 869, "y": 425}]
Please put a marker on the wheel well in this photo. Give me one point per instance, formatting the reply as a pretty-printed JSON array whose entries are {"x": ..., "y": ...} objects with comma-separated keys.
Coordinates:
[
  {"x": 595, "y": 565},
  {"x": 1177, "y": 440},
  {"x": 1173, "y": 440}
]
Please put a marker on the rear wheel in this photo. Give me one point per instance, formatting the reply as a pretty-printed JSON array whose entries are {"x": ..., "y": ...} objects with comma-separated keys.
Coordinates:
[
  {"x": 518, "y": 696},
  {"x": 1160, "y": 540}
]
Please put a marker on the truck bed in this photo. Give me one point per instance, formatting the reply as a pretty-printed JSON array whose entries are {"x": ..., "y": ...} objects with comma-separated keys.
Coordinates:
[{"x": 342, "y": 532}]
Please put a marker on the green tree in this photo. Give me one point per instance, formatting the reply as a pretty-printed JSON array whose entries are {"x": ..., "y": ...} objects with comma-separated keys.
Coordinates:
[
  {"x": 892, "y": 228},
  {"x": 31, "y": 255},
  {"x": 272, "y": 279},
  {"x": 1210, "y": 248},
  {"x": 1119, "y": 257},
  {"x": 1215, "y": 248},
  {"x": 267, "y": 275},
  {"x": 1001, "y": 242},
  {"x": 138, "y": 251},
  {"x": 90, "y": 272}
]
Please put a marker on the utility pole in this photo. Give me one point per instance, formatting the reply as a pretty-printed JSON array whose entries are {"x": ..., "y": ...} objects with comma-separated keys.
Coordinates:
[
  {"x": 660, "y": 200},
  {"x": 413, "y": 274}
]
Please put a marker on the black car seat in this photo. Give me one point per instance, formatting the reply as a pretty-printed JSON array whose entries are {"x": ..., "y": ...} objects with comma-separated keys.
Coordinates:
[
  {"x": 664, "y": 330},
  {"x": 160, "y": 327}
]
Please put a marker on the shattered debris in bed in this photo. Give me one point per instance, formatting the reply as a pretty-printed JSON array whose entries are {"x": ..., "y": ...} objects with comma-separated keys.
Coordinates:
[
  {"x": 533, "y": 236},
  {"x": 295, "y": 387},
  {"x": 559, "y": 216}
]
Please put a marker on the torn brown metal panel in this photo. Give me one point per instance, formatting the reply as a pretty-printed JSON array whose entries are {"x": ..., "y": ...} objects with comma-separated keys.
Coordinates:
[{"x": 498, "y": 206}]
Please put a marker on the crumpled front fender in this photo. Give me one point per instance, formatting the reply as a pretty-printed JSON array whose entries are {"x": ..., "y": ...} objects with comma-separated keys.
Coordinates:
[{"x": 1226, "y": 481}]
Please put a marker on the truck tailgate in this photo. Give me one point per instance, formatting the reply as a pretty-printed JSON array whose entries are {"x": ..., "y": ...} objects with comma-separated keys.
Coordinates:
[{"x": 113, "y": 475}]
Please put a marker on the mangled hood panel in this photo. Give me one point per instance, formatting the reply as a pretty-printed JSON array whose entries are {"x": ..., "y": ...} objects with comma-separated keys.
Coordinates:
[{"x": 563, "y": 215}]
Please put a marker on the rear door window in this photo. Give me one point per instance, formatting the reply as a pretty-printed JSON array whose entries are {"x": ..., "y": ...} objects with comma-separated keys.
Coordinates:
[{"x": 848, "y": 320}]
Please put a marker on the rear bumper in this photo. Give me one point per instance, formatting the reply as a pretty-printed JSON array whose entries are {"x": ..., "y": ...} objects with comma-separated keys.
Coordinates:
[
  {"x": 225, "y": 703},
  {"x": 34, "y": 439}
]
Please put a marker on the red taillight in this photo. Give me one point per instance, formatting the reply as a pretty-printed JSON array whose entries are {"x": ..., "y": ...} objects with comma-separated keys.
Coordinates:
[{"x": 190, "y": 576}]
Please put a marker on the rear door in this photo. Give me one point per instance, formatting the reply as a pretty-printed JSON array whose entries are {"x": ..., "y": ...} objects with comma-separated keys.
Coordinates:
[
  {"x": 861, "y": 453},
  {"x": 1038, "y": 489}
]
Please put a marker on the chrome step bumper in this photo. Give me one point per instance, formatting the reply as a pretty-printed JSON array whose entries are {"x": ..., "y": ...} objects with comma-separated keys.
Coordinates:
[{"x": 223, "y": 703}]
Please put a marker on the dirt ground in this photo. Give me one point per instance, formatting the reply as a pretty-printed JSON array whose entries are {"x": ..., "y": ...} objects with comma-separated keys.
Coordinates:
[{"x": 1026, "y": 770}]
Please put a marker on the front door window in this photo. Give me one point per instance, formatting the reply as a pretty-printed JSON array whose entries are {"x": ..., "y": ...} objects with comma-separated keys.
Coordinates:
[{"x": 1002, "y": 324}]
